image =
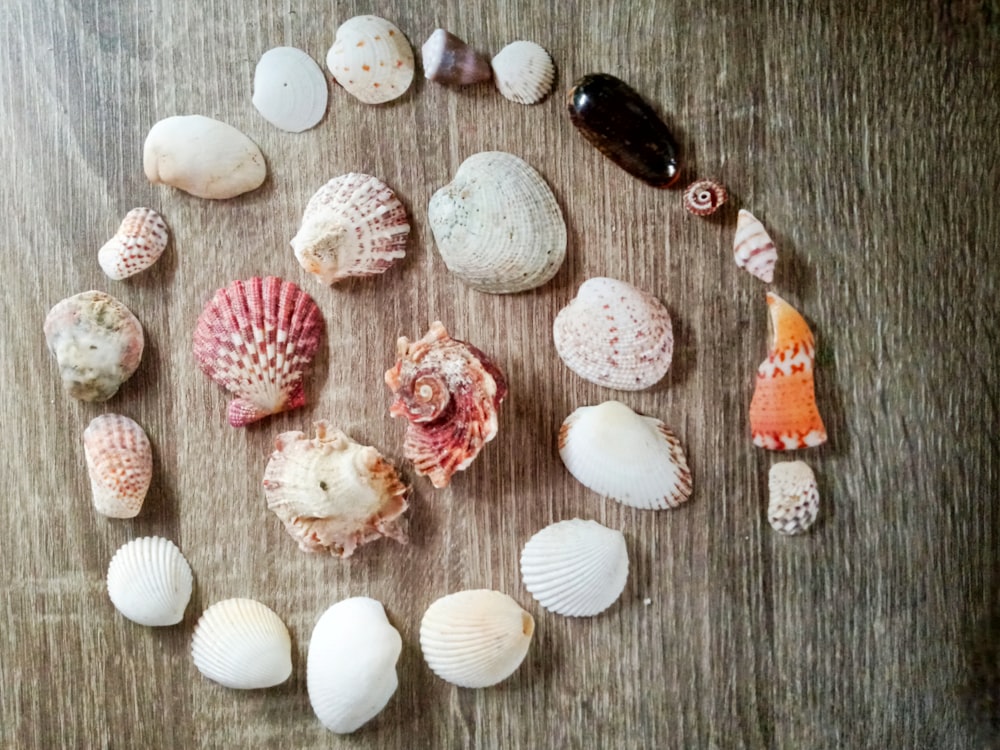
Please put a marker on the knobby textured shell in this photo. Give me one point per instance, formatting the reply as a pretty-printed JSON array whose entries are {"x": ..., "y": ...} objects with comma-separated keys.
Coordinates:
[
  {"x": 241, "y": 643},
  {"x": 120, "y": 465},
  {"x": 353, "y": 226},
  {"x": 575, "y": 568},
  {"x": 783, "y": 413},
  {"x": 753, "y": 248},
  {"x": 256, "y": 338},
  {"x": 475, "y": 638},
  {"x": 449, "y": 392},
  {"x": 794, "y": 497},
  {"x": 138, "y": 244},
  {"x": 289, "y": 89},
  {"x": 704, "y": 197},
  {"x": 523, "y": 72},
  {"x": 449, "y": 60},
  {"x": 497, "y": 225},
  {"x": 149, "y": 581},
  {"x": 371, "y": 59},
  {"x": 351, "y": 667},
  {"x": 615, "y": 335},
  {"x": 332, "y": 493},
  {"x": 97, "y": 343},
  {"x": 628, "y": 457}
]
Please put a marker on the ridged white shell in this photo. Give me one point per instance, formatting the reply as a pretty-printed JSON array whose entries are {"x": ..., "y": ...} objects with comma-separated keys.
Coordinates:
[
  {"x": 240, "y": 643},
  {"x": 753, "y": 248},
  {"x": 149, "y": 581},
  {"x": 137, "y": 245},
  {"x": 351, "y": 667},
  {"x": 289, "y": 89},
  {"x": 475, "y": 638},
  {"x": 794, "y": 497},
  {"x": 119, "y": 463},
  {"x": 575, "y": 568},
  {"x": 497, "y": 225},
  {"x": 630, "y": 458},
  {"x": 371, "y": 59},
  {"x": 523, "y": 72}
]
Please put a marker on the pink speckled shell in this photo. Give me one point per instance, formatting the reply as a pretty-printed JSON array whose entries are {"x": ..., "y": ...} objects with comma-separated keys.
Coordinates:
[
  {"x": 138, "y": 244},
  {"x": 120, "y": 465}
]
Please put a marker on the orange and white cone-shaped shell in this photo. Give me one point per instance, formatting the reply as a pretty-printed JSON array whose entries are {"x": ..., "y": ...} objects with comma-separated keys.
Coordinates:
[{"x": 783, "y": 413}]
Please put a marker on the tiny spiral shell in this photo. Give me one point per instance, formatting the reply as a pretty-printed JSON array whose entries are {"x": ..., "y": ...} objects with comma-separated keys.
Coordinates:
[{"x": 704, "y": 197}]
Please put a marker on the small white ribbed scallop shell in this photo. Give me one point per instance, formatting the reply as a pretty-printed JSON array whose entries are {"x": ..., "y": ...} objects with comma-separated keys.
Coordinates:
[
  {"x": 351, "y": 667},
  {"x": 794, "y": 497},
  {"x": 753, "y": 248},
  {"x": 289, "y": 89},
  {"x": 523, "y": 72},
  {"x": 371, "y": 59},
  {"x": 120, "y": 465},
  {"x": 149, "y": 581},
  {"x": 575, "y": 568},
  {"x": 138, "y": 244},
  {"x": 241, "y": 643},
  {"x": 475, "y": 638}
]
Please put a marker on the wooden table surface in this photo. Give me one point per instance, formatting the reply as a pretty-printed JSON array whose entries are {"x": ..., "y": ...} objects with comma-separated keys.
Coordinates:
[{"x": 867, "y": 143}]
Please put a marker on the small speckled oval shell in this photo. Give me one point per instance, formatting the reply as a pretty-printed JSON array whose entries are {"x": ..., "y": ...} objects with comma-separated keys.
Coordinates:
[
  {"x": 289, "y": 89},
  {"x": 753, "y": 249},
  {"x": 371, "y": 59},
  {"x": 149, "y": 581},
  {"x": 120, "y": 464},
  {"x": 138, "y": 244},
  {"x": 243, "y": 644},
  {"x": 523, "y": 72},
  {"x": 794, "y": 497}
]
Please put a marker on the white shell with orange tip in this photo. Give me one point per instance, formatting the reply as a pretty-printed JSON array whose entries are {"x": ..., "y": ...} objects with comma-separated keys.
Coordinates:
[
  {"x": 371, "y": 59},
  {"x": 242, "y": 644},
  {"x": 149, "y": 581},
  {"x": 120, "y": 465},
  {"x": 794, "y": 497}
]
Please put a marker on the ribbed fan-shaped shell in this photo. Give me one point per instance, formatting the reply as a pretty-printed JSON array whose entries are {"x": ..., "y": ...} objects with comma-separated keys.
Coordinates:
[
  {"x": 243, "y": 644},
  {"x": 138, "y": 244},
  {"x": 523, "y": 72},
  {"x": 371, "y": 59},
  {"x": 753, "y": 249},
  {"x": 794, "y": 497},
  {"x": 449, "y": 60},
  {"x": 149, "y": 581},
  {"x": 289, "y": 89},
  {"x": 120, "y": 465}
]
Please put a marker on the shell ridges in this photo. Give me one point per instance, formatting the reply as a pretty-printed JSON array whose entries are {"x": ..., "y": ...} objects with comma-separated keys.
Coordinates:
[
  {"x": 371, "y": 59},
  {"x": 137, "y": 245},
  {"x": 793, "y": 497},
  {"x": 242, "y": 644},
  {"x": 119, "y": 463},
  {"x": 150, "y": 582}
]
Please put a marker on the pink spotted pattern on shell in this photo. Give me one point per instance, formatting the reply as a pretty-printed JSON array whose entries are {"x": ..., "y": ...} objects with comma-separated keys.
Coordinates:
[
  {"x": 256, "y": 338},
  {"x": 120, "y": 465},
  {"x": 137, "y": 245},
  {"x": 450, "y": 392},
  {"x": 704, "y": 197},
  {"x": 753, "y": 248}
]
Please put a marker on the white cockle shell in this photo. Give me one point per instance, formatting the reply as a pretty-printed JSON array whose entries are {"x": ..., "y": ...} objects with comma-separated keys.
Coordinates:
[
  {"x": 753, "y": 248},
  {"x": 138, "y": 244},
  {"x": 371, "y": 59},
  {"x": 120, "y": 465},
  {"x": 149, "y": 581},
  {"x": 794, "y": 497},
  {"x": 628, "y": 457},
  {"x": 475, "y": 638},
  {"x": 241, "y": 643},
  {"x": 497, "y": 225},
  {"x": 289, "y": 89},
  {"x": 351, "y": 667},
  {"x": 523, "y": 72},
  {"x": 615, "y": 335},
  {"x": 575, "y": 568}
]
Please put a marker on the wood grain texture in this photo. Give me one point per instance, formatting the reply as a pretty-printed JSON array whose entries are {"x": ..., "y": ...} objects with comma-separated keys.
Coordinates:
[{"x": 865, "y": 140}]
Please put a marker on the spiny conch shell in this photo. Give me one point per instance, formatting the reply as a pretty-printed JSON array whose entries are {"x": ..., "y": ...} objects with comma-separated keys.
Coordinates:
[
  {"x": 243, "y": 644},
  {"x": 794, "y": 497},
  {"x": 97, "y": 342},
  {"x": 783, "y": 413},
  {"x": 138, "y": 244},
  {"x": 371, "y": 59},
  {"x": 475, "y": 638},
  {"x": 704, "y": 197},
  {"x": 203, "y": 157},
  {"x": 575, "y": 568},
  {"x": 289, "y": 89},
  {"x": 351, "y": 667},
  {"x": 628, "y": 457},
  {"x": 753, "y": 249},
  {"x": 256, "y": 338},
  {"x": 353, "y": 226},
  {"x": 523, "y": 72},
  {"x": 450, "y": 392},
  {"x": 149, "y": 581},
  {"x": 497, "y": 225},
  {"x": 615, "y": 335},
  {"x": 120, "y": 464},
  {"x": 332, "y": 493},
  {"x": 449, "y": 60}
]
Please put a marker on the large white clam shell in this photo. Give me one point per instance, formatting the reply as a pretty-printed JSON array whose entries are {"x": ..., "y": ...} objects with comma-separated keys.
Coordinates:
[
  {"x": 475, "y": 638},
  {"x": 523, "y": 72},
  {"x": 371, "y": 59},
  {"x": 351, "y": 667},
  {"x": 575, "y": 568},
  {"x": 149, "y": 581},
  {"x": 497, "y": 225},
  {"x": 289, "y": 89},
  {"x": 243, "y": 644},
  {"x": 793, "y": 497}
]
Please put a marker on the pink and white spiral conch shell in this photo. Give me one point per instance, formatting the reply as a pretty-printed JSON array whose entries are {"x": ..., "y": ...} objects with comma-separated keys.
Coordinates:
[
  {"x": 137, "y": 245},
  {"x": 753, "y": 248},
  {"x": 120, "y": 465}
]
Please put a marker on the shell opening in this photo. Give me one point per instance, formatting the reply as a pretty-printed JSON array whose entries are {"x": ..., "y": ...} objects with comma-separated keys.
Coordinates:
[{"x": 527, "y": 624}]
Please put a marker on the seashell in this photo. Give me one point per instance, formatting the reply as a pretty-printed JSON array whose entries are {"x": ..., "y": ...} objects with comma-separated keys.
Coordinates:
[
  {"x": 256, "y": 338},
  {"x": 138, "y": 244},
  {"x": 149, "y": 581},
  {"x": 97, "y": 342},
  {"x": 351, "y": 667},
  {"x": 289, "y": 89},
  {"x": 475, "y": 638},
  {"x": 120, "y": 464},
  {"x": 753, "y": 249},
  {"x": 242, "y": 644},
  {"x": 630, "y": 458},
  {"x": 615, "y": 335},
  {"x": 449, "y": 392},
  {"x": 575, "y": 568},
  {"x": 353, "y": 226},
  {"x": 621, "y": 125},
  {"x": 332, "y": 493},
  {"x": 497, "y": 225},
  {"x": 523, "y": 72},
  {"x": 794, "y": 497},
  {"x": 203, "y": 157},
  {"x": 704, "y": 197},
  {"x": 371, "y": 59},
  {"x": 449, "y": 60},
  {"x": 783, "y": 413}
]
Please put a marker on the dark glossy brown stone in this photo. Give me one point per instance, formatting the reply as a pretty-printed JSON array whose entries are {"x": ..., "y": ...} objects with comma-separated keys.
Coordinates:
[{"x": 614, "y": 118}]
